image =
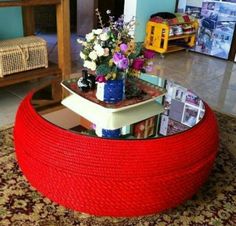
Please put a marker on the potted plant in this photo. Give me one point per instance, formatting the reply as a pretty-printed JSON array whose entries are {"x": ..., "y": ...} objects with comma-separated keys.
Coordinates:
[{"x": 109, "y": 52}]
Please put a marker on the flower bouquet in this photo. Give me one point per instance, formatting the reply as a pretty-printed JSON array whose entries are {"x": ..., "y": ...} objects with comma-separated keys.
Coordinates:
[{"x": 110, "y": 52}]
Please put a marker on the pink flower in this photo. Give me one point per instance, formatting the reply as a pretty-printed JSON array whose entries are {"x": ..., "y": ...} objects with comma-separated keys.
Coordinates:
[
  {"x": 149, "y": 54},
  {"x": 138, "y": 64},
  {"x": 100, "y": 78}
]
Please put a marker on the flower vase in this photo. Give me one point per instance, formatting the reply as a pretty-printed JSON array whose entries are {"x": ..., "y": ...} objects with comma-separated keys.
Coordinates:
[
  {"x": 107, "y": 133},
  {"x": 111, "y": 91}
]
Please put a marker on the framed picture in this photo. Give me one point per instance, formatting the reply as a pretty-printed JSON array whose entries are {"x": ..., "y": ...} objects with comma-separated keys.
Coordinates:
[
  {"x": 193, "y": 11},
  {"x": 190, "y": 115},
  {"x": 180, "y": 93},
  {"x": 232, "y": 1},
  {"x": 170, "y": 87},
  {"x": 192, "y": 98},
  {"x": 200, "y": 116},
  {"x": 216, "y": 25},
  {"x": 169, "y": 126},
  {"x": 168, "y": 97},
  {"x": 175, "y": 127},
  {"x": 163, "y": 125},
  {"x": 176, "y": 110}
]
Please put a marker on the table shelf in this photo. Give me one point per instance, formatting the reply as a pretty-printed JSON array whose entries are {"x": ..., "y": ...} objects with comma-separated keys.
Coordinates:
[{"x": 111, "y": 120}]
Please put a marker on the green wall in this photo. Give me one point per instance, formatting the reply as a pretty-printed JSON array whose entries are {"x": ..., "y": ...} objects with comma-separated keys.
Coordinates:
[
  {"x": 11, "y": 24},
  {"x": 145, "y": 8}
]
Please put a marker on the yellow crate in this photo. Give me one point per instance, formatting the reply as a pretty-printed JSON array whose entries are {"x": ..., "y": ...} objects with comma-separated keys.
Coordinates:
[{"x": 157, "y": 37}]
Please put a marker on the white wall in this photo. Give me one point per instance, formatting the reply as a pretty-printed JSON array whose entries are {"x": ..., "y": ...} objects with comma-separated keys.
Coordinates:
[{"x": 130, "y": 8}]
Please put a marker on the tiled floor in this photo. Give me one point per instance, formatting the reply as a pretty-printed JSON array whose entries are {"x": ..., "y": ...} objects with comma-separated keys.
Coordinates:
[{"x": 214, "y": 80}]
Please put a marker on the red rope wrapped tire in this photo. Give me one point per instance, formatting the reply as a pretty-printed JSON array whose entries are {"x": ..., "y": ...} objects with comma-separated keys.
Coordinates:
[{"x": 113, "y": 177}]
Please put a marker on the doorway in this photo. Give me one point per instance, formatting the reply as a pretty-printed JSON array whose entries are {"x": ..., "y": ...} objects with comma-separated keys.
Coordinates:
[
  {"x": 82, "y": 15},
  {"x": 45, "y": 18},
  {"x": 86, "y": 17}
]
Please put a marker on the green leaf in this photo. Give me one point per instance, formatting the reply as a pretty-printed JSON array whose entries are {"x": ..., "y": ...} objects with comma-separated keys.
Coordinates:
[
  {"x": 138, "y": 49},
  {"x": 103, "y": 69}
]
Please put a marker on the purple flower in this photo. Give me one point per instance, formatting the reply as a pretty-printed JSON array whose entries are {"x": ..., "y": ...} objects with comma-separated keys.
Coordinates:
[
  {"x": 123, "y": 47},
  {"x": 149, "y": 67},
  {"x": 120, "y": 61},
  {"x": 123, "y": 64},
  {"x": 117, "y": 57}
]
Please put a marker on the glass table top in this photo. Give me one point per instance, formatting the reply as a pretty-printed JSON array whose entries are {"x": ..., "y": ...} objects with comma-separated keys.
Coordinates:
[{"x": 182, "y": 109}]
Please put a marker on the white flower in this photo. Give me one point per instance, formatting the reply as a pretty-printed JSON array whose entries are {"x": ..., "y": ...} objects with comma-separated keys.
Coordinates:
[
  {"x": 80, "y": 41},
  {"x": 89, "y": 37},
  {"x": 83, "y": 43},
  {"x": 86, "y": 63},
  {"x": 90, "y": 65},
  {"x": 104, "y": 36},
  {"x": 93, "y": 55},
  {"x": 97, "y": 31},
  {"x": 93, "y": 66},
  {"x": 97, "y": 46},
  {"x": 106, "y": 52},
  {"x": 82, "y": 55},
  {"x": 99, "y": 50}
]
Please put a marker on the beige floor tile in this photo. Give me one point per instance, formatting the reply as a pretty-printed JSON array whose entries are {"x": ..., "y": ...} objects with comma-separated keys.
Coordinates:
[
  {"x": 20, "y": 90},
  {"x": 8, "y": 106},
  {"x": 8, "y": 102},
  {"x": 7, "y": 119},
  {"x": 189, "y": 65}
]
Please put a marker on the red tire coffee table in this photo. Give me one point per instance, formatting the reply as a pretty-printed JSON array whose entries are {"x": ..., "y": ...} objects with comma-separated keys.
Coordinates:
[{"x": 120, "y": 177}]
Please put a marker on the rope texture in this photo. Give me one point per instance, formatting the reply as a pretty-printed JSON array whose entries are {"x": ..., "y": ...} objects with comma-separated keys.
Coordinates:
[{"x": 113, "y": 177}]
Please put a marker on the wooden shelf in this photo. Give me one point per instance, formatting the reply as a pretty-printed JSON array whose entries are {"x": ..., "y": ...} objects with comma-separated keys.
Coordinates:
[
  {"x": 173, "y": 48},
  {"x": 63, "y": 26},
  {"x": 52, "y": 70},
  {"x": 55, "y": 73},
  {"x": 181, "y": 36},
  {"x": 28, "y": 3}
]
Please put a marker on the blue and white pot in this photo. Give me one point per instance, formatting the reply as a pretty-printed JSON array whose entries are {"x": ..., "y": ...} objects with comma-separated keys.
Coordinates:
[
  {"x": 111, "y": 91},
  {"x": 116, "y": 133}
]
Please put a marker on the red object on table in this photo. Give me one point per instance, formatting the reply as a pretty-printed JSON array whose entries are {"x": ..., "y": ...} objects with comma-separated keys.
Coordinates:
[{"x": 113, "y": 177}]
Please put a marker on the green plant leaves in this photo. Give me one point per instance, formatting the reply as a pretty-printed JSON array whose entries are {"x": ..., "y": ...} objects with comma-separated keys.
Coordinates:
[{"x": 103, "y": 69}]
